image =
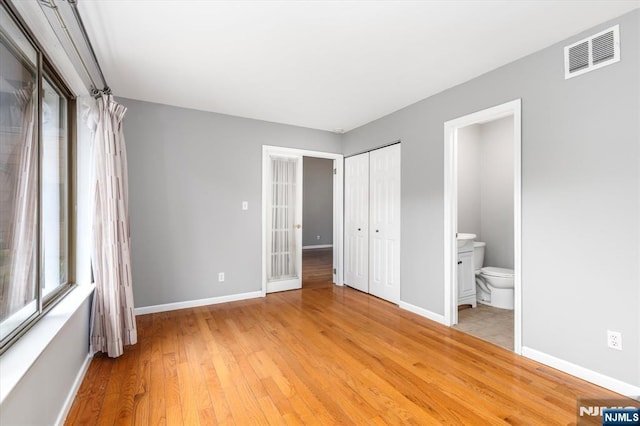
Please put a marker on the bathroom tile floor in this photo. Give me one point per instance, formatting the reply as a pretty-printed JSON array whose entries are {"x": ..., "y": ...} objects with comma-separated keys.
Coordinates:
[{"x": 494, "y": 325}]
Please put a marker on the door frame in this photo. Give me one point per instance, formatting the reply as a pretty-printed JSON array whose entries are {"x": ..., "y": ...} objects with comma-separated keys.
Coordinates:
[
  {"x": 451, "y": 127},
  {"x": 338, "y": 185}
]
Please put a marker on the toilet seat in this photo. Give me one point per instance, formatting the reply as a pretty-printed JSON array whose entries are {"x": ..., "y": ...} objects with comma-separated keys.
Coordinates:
[{"x": 492, "y": 271}]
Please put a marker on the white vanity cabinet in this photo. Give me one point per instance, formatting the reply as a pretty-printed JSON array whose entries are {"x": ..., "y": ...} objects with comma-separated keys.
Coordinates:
[{"x": 466, "y": 278}]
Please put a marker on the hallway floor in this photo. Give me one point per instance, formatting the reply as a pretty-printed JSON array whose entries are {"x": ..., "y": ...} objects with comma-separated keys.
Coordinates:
[{"x": 317, "y": 267}]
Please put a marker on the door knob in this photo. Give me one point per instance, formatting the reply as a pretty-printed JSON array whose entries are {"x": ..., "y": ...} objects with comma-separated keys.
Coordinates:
[
  {"x": 377, "y": 230},
  {"x": 359, "y": 229},
  {"x": 298, "y": 226}
]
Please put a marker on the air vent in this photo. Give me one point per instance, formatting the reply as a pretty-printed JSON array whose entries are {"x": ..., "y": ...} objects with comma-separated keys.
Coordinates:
[
  {"x": 592, "y": 52},
  {"x": 579, "y": 57}
]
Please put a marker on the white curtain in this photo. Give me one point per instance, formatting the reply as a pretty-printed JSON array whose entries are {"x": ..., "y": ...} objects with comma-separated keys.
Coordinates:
[
  {"x": 113, "y": 320},
  {"x": 20, "y": 286},
  {"x": 282, "y": 218}
]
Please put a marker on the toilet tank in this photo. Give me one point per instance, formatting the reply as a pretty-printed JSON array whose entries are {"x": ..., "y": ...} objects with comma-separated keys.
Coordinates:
[{"x": 478, "y": 254}]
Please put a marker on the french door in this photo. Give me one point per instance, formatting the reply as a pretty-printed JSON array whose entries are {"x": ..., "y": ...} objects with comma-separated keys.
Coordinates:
[{"x": 284, "y": 223}]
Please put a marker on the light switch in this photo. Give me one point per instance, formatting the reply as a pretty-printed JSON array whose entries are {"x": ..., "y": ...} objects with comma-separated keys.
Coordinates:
[{"x": 245, "y": 205}]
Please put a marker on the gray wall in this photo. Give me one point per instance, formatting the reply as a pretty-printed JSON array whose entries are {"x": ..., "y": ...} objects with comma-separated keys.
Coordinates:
[
  {"x": 496, "y": 189},
  {"x": 469, "y": 181},
  {"x": 317, "y": 207},
  {"x": 485, "y": 187},
  {"x": 580, "y": 198},
  {"x": 189, "y": 172}
]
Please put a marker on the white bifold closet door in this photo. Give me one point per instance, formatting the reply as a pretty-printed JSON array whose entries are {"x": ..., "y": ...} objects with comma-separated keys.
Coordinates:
[
  {"x": 356, "y": 222},
  {"x": 372, "y": 222},
  {"x": 384, "y": 223}
]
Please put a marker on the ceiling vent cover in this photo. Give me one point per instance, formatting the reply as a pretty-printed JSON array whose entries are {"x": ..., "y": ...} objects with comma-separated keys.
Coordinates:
[{"x": 592, "y": 52}]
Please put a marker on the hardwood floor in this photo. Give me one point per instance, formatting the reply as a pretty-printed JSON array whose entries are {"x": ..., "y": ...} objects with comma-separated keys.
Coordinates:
[
  {"x": 317, "y": 267},
  {"x": 320, "y": 355}
]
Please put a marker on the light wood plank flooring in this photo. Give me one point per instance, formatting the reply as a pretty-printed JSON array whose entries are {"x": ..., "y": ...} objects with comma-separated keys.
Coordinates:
[{"x": 320, "y": 355}]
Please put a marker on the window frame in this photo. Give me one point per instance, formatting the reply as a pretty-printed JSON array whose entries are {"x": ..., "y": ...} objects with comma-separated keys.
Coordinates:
[{"x": 45, "y": 69}]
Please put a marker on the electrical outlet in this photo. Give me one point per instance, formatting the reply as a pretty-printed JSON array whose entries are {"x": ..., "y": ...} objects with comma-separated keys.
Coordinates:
[
  {"x": 245, "y": 205},
  {"x": 318, "y": 237},
  {"x": 221, "y": 277},
  {"x": 614, "y": 339}
]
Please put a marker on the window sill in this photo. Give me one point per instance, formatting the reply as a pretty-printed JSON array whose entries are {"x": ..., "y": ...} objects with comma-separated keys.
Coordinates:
[{"x": 19, "y": 358}]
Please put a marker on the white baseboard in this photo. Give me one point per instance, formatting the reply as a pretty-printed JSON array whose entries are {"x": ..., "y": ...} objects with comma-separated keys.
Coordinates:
[
  {"x": 599, "y": 379},
  {"x": 194, "y": 303},
  {"x": 422, "y": 312},
  {"x": 74, "y": 390},
  {"x": 317, "y": 247}
]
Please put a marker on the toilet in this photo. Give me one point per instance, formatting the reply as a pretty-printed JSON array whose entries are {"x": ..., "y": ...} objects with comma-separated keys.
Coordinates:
[{"x": 494, "y": 285}]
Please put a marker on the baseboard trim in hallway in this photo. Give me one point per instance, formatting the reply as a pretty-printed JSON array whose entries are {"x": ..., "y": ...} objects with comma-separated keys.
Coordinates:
[{"x": 318, "y": 246}]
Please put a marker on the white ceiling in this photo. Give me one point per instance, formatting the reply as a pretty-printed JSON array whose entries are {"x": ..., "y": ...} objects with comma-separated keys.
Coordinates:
[{"x": 327, "y": 64}]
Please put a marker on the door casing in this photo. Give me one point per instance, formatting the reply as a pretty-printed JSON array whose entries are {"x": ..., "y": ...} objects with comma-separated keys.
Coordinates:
[
  {"x": 338, "y": 182},
  {"x": 451, "y": 127}
]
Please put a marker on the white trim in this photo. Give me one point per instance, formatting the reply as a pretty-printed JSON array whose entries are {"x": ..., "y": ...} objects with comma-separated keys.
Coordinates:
[
  {"x": 422, "y": 312},
  {"x": 451, "y": 127},
  {"x": 517, "y": 226},
  {"x": 583, "y": 373},
  {"x": 338, "y": 220},
  {"x": 284, "y": 285},
  {"x": 319, "y": 246},
  {"x": 338, "y": 187},
  {"x": 195, "y": 303},
  {"x": 450, "y": 221},
  {"x": 74, "y": 390}
]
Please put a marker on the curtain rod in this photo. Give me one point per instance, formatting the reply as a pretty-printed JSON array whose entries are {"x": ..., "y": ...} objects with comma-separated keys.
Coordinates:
[{"x": 51, "y": 4}]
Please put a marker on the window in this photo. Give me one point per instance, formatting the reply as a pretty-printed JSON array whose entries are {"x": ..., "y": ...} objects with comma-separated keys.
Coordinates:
[{"x": 35, "y": 222}]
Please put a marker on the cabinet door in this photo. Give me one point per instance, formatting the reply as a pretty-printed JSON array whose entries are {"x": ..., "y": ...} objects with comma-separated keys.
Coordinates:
[
  {"x": 466, "y": 275},
  {"x": 384, "y": 223},
  {"x": 356, "y": 222}
]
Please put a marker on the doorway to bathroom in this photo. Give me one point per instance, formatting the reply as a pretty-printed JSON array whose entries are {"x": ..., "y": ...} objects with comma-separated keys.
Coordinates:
[{"x": 482, "y": 244}]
